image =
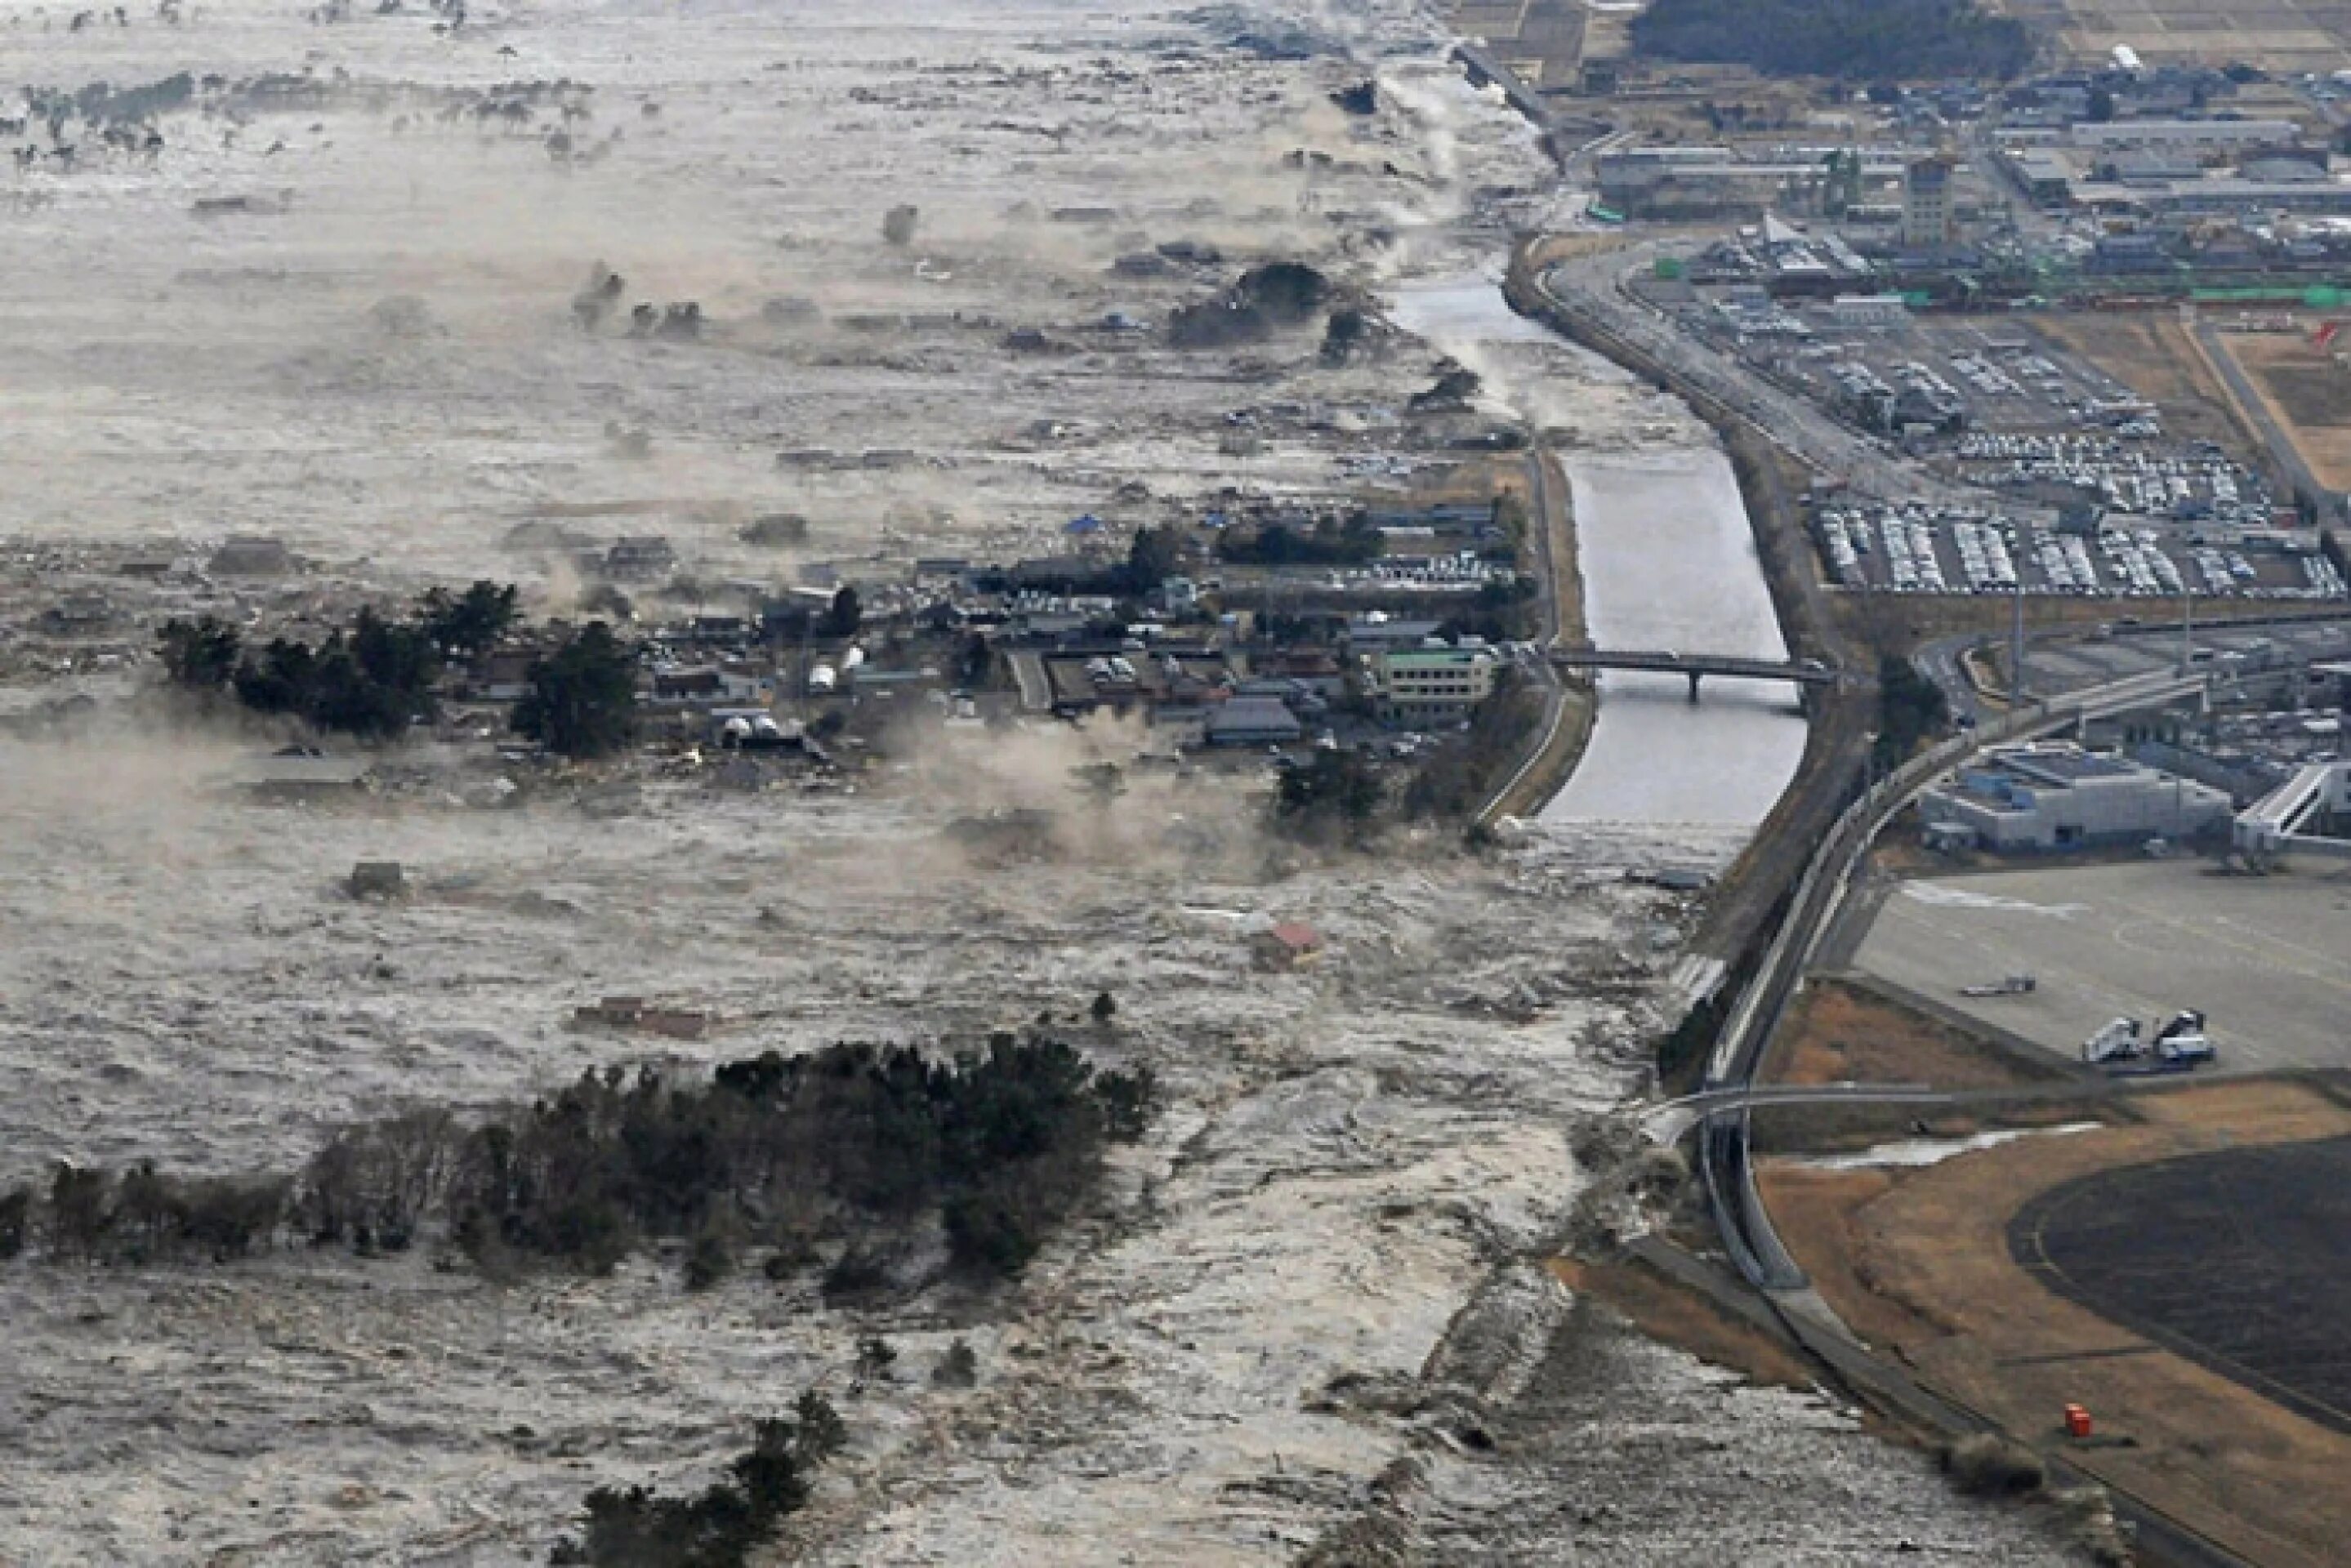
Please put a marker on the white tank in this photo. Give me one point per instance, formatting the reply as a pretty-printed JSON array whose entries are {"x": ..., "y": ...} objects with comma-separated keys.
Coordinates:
[
  {"x": 823, "y": 678},
  {"x": 851, "y": 660}
]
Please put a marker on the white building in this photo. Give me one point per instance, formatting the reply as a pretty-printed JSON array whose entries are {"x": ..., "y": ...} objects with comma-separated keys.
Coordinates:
[
  {"x": 2218, "y": 135},
  {"x": 1430, "y": 685},
  {"x": 1867, "y": 310},
  {"x": 2056, "y": 795}
]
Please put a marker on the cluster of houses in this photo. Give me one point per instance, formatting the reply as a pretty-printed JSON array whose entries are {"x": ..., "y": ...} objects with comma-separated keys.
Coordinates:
[{"x": 1206, "y": 659}]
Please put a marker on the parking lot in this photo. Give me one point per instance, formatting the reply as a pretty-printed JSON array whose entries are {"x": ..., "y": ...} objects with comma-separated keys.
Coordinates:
[
  {"x": 1913, "y": 548},
  {"x": 2008, "y": 412},
  {"x": 2266, "y": 959}
]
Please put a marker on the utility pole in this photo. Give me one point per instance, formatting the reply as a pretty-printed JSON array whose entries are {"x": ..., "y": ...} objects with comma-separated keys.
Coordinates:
[
  {"x": 2016, "y": 650},
  {"x": 2187, "y": 627}
]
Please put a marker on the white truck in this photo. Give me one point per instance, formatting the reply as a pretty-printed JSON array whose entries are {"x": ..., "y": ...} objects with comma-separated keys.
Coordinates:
[
  {"x": 2118, "y": 1041},
  {"x": 2182, "y": 1042},
  {"x": 2179, "y": 1045}
]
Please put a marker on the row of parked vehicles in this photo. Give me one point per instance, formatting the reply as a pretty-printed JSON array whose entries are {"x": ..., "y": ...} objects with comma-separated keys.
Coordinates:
[{"x": 2180, "y": 1046}]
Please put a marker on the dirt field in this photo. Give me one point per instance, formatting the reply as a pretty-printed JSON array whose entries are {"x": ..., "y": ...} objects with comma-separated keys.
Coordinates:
[
  {"x": 2281, "y": 35},
  {"x": 1918, "y": 1262},
  {"x": 2151, "y": 354},
  {"x": 2307, "y": 393},
  {"x": 1542, "y": 40},
  {"x": 1838, "y": 1032},
  {"x": 2218, "y": 1256}
]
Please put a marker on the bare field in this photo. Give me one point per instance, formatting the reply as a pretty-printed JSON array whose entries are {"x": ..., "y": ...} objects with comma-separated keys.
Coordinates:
[
  {"x": 2152, "y": 354},
  {"x": 1840, "y": 1034},
  {"x": 2307, "y": 393},
  {"x": 2278, "y": 35},
  {"x": 1918, "y": 1262}
]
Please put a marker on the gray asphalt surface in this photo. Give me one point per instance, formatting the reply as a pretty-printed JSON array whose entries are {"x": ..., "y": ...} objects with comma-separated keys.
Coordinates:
[{"x": 2267, "y": 959}]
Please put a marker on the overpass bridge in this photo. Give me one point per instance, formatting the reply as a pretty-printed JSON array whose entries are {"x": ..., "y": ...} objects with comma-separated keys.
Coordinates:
[
  {"x": 1696, "y": 666},
  {"x": 2291, "y": 816}
]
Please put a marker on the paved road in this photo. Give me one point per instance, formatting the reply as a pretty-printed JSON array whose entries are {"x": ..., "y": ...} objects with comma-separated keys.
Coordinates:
[
  {"x": 1541, "y": 517},
  {"x": 1939, "y": 661},
  {"x": 2282, "y": 451},
  {"x": 1666, "y": 1123},
  {"x": 1593, "y": 289}
]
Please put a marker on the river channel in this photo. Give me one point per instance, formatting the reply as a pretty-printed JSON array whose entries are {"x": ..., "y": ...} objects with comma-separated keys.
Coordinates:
[{"x": 1668, "y": 563}]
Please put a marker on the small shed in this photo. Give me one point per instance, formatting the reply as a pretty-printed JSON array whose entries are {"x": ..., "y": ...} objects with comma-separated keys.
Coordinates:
[{"x": 1288, "y": 944}]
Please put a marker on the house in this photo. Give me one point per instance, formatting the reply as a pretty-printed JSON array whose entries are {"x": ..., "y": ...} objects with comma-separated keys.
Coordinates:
[
  {"x": 1252, "y": 722},
  {"x": 634, "y": 1014},
  {"x": 251, "y": 555},
  {"x": 300, "y": 772},
  {"x": 1289, "y": 944},
  {"x": 728, "y": 682},
  {"x": 501, "y": 675},
  {"x": 1376, "y": 630},
  {"x": 79, "y": 615},
  {"x": 645, "y": 556},
  {"x": 1309, "y": 669}
]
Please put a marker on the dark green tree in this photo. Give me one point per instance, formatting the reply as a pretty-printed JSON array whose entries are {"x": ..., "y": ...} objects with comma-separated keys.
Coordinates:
[
  {"x": 958, "y": 1368},
  {"x": 1153, "y": 557},
  {"x": 1337, "y": 789},
  {"x": 201, "y": 654},
  {"x": 822, "y": 1432},
  {"x": 1910, "y": 708},
  {"x": 466, "y": 625},
  {"x": 843, "y": 616},
  {"x": 583, "y": 696}
]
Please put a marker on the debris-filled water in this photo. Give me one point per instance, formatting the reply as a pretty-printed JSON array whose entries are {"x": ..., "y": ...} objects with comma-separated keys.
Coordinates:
[{"x": 339, "y": 306}]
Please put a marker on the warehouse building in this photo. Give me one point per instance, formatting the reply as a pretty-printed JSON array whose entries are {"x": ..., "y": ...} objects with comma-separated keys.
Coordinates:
[{"x": 2058, "y": 796}]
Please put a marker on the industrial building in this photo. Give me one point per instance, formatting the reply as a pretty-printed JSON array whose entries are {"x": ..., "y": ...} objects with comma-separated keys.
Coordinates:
[
  {"x": 2057, "y": 795},
  {"x": 2215, "y": 135},
  {"x": 2218, "y": 195}
]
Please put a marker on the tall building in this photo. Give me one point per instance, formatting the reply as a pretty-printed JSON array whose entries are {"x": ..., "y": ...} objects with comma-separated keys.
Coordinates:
[{"x": 1927, "y": 203}]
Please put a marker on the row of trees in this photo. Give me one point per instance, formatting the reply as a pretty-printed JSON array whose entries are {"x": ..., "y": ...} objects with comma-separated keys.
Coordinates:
[
  {"x": 855, "y": 1144},
  {"x": 1860, "y": 40},
  {"x": 377, "y": 676},
  {"x": 1330, "y": 542},
  {"x": 1336, "y": 795},
  {"x": 372, "y": 679},
  {"x": 1911, "y": 711}
]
